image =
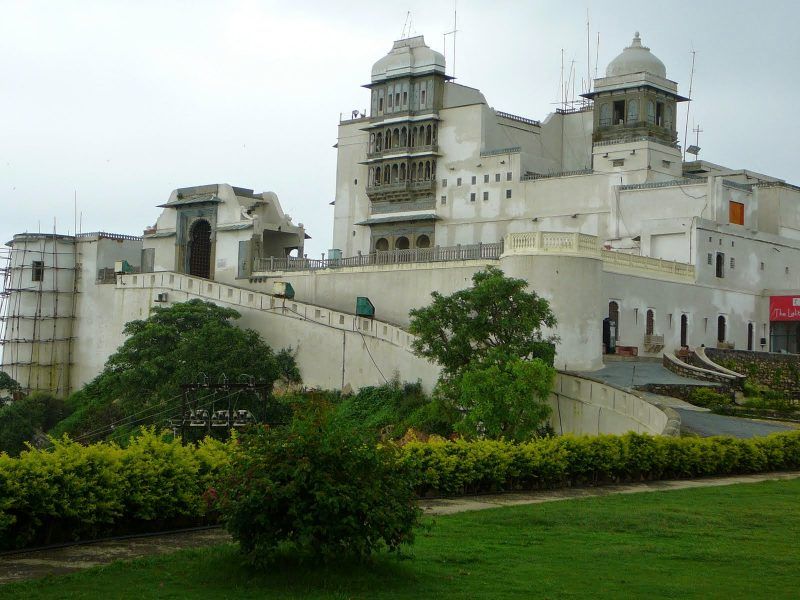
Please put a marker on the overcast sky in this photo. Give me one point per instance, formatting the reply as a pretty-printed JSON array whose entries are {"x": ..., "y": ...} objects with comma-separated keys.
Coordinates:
[{"x": 122, "y": 102}]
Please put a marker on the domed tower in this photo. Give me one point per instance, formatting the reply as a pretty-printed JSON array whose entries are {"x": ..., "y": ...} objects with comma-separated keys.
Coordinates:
[
  {"x": 407, "y": 89},
  {"x": 636, "y": 102}
]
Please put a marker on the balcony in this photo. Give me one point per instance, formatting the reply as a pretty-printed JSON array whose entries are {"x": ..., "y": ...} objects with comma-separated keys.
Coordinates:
[
  {"x": 404, "y": 151},
  {"x": 408, "y": 190}
]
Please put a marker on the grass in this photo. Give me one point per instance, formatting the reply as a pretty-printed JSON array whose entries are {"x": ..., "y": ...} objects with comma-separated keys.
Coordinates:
[{"x": 735, "y": 541}]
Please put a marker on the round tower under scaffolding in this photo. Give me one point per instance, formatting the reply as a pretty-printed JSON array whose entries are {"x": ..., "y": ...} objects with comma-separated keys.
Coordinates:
[{"x": 37, "y": 308}]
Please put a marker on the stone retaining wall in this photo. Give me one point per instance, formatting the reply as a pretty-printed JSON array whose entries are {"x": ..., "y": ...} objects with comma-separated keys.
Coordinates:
[{"x": 779, "y": 372}]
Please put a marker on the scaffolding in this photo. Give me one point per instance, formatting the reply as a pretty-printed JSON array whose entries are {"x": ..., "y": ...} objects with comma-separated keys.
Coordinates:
[{"x": 36, "y": 319}]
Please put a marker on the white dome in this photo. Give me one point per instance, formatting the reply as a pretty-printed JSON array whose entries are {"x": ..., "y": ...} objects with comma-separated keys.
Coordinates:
[
  {"x": 408, "y": 56},
  {"x": 636, "y": 59}
]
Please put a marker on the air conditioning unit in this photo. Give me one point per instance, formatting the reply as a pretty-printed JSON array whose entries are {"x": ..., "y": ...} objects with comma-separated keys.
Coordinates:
[{"x": 162, "y": 297}]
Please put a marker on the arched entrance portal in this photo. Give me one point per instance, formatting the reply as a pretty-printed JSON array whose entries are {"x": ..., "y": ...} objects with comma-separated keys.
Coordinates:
[{"x": 200, "y": 249}]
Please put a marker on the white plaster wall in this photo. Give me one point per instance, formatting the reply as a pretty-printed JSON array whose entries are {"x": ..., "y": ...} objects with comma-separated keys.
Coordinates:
[{"x": 352, "y": 204}]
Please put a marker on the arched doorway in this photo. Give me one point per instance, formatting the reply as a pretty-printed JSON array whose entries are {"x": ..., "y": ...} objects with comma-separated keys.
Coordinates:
[
  {"x": 613, "y": 314},
  {"x": 720, "y": 328},
  {"x": 650, "y": 322},
  {"x": 684, "y": 331},
  {"x": 200, "y": 249}
]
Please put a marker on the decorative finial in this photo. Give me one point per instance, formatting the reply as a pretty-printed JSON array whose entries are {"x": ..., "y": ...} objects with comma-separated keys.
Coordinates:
[{"x": 637, "y": 41}]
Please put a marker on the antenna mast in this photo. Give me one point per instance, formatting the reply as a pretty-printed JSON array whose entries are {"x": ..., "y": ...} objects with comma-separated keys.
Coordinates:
[
  {"x": 453, "y": 33},
  {"x": 588, "y": 57},
  {"x": 688, "y": 105}
]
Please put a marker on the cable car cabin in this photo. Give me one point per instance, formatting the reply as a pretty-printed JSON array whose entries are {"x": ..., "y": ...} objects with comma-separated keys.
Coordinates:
[
  {"x": 221, "y": 418},
  {"x": 199, "y": 418}
]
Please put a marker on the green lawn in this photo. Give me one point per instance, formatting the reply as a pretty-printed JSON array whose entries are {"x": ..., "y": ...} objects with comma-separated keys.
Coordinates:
[{"x": 738, "y": 541}]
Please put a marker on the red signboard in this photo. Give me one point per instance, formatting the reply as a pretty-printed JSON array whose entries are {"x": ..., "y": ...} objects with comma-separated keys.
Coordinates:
[{"x": 784, "y": 308}]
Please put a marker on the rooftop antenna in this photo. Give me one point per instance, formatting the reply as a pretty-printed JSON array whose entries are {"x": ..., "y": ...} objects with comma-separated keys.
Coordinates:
[
  {"x": 453, "y": 33},
  {"x": 688, "y": 104},
  {"x": 588, "y": 57},
  {"x": 596, "y": 54},
  {"x": 406, "y": 26}
]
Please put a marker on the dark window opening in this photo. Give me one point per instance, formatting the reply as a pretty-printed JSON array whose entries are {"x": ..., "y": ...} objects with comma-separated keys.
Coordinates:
[
  {"x": 720, "y": 265},
  {"x": 423, "y": 241},
  {"x": 37, "y": 274},
  {"x": 382, "y": 244},
  {"x": 402, "y": 243},
  {"x": 200, "y": 249},
  {"x": 749, "y": 336},
  {"x": 619, "y": 112},
  {"x": 660, "y": 114},
  {"x": 720, "y": 329}
]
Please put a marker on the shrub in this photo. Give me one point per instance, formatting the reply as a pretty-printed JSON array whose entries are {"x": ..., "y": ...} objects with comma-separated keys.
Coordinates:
[
  {"x": 707, "y": 397},
  {"x": 71, "y": 492},
  {"x": 452, "y": 468},
  {"x": 316, "y": 491}
]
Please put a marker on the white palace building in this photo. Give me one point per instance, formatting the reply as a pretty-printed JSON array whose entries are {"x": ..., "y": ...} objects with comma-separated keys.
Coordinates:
[{"x": 594, "y": 206}]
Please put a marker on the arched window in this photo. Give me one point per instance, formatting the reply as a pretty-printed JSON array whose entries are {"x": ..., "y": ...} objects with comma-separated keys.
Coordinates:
[
  {"x": 651, "y": 111},
  {"x": 649, "y": 322},
  {"x": 423, "y": 241},
  {"x": 413, "y": 171},
  {"x": 633, "y": 111},
  {"x": 371, "y": 143},
  {"x": 433, "y": 169},
  {"x": 613, "y": 314},
  {"x": 684, "y": 331},
  {"x": 749, "y": 336},
  {"x": 200, "y": 249},
  {"x": 413, "y": 136},
  {"x": 605, "y": 114},
  {"x": 720, "y": 266},
  {"x": 377, "y": 180},
  {"x": 434, "y": 133},
  {"x": 401, "y": 243},
  {"x": 720, "y": 328},
  {"x": 668, "y": 117},
  {"x": 428, "y": 135},
  {"x": 403, "y": 172},
  {"x": 404, "y": 137},
  {"x": 382, "y": 244},
  {"x": 395, "y": 174},
  {"x": 378, "y": 142},
  {"x": 396, "y": 138},
  {"x": 386, "y": 174},
  {"x": 427, "y": 170},
  {"x": 421, "y": 135}
]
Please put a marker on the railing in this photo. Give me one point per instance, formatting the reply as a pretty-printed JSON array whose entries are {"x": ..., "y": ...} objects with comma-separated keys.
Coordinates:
[
  {"x": 534, "y": 176},
  {"x": 637, "y": 138},
  {"x": 401, "y": 186},
  {"x": 384, "y": 257},
  {"x": 517, "y": 118},
  {"x": 781, "y": 184},
  {"x": 579, "y": 244},
  {"x": 406, "y": 149},
  {"x": 634, "y": 261},
  {"x": 110, "y": 236},
  {"x": 663, "y": 184},
  {"x": 383, "y": 207},
  {"x": 552, "y": 242},
  {"x": 497, "y": 151}
]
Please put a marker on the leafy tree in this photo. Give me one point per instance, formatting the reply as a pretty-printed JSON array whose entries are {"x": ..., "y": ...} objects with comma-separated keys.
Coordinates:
[
  {"x": 496, "y": 362},
  {"x": 495, "y": 318},
  {"x": 23, "y": 419},
  {"x": 8, "y": 385},
  {"x": 181, "y": 343},
  {"x": 505, "y": 399}
]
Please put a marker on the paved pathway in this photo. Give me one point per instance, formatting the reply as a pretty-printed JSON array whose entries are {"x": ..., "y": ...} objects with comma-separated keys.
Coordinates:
[
  {"x": 626, "y": 374},
  {"x": 31, "y": 565}
]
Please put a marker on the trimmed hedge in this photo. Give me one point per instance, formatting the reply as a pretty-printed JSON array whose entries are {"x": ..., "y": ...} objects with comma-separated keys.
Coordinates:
[
  {"x": 72, "y": 492},
  {"x": 452, "y": 468}
]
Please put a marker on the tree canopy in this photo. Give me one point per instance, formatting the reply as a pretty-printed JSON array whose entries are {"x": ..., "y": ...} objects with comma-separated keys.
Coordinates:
[
  {"x": 178, "y": 344},
  {"x": 493, "y": 320}
]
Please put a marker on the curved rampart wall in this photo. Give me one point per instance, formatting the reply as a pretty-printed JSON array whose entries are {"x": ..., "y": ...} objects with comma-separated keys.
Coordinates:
[{"x": 585, "y": 406}]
